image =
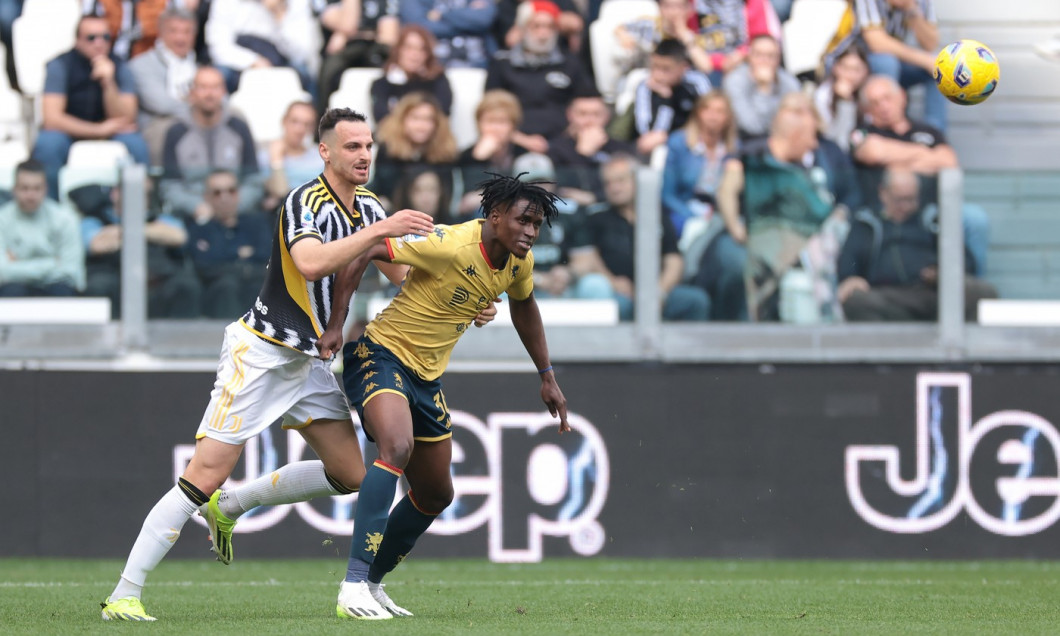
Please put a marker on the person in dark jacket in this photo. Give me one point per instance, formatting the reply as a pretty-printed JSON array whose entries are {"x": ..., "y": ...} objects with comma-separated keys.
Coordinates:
[
  {"x": 888, "y": 267},
  {"x": 539, "y": 73}
]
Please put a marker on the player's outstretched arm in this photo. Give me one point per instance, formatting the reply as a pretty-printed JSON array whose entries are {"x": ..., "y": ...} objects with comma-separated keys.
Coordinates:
[
  {"x": 526, "y": 317},
  {"x": 315, "y": 259}
]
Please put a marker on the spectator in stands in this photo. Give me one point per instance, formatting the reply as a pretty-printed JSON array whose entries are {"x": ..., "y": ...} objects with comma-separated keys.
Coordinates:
[
  {"x": 756, "y": 88},
  {"x": 539, "y": 73},
  {"x": 420, "y": 188},
  {"x": 40, "y": 250},
  {"x": 163, "y": 77},
  {"x": 497, "y": 117},
  {"x": 888, "y": 268},
  {"x": 837, "y": 97},
  {"x": 9, "y": 10},
  {"x": 172, "y": 289},
  {"x": 902, "y": 37},
  {"x": 462, "y": 28},
  {"x": 665, "y": 99},
  {"x": 578, "y": 152},
  {"x": 676, "y": 20},
  {"x": 793, "y": 189},
  {"x": 602, "y": 255},
  {"x": 411, "y": 68},
  {"x": 721, "y": 32},
  {"x": 230, "y": 250},
  {"x": 892, "y": 140},
  {"x": 357, "y": 33},
  {"x": 782, "y": 9},
  {"x": 210, "y": 138},
  {"x": 133, "y": 25},
  {"x": 508, "y": 33},
  {"x": 88, "y": 94},
  {"x": 415, "y": 133},
  {"x": 695, "y": 158},
  {"x": 293, "y": 158},
  {"x": 552, "y": 275},
  {"x": 245, "y": 34}
]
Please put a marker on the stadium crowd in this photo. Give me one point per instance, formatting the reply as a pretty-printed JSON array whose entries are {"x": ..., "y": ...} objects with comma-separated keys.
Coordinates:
[{"x": 764, "y": 171}]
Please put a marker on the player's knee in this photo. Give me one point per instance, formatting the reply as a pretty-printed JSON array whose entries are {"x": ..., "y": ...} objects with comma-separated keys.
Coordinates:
[
  {"x": 346, "y": 478},
  {"x": 396, "y": 452},
  {"x": 434, "y": 500}
]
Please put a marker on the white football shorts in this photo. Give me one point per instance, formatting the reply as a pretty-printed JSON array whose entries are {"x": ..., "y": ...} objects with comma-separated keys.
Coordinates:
[{"x": 258, "y": 383}]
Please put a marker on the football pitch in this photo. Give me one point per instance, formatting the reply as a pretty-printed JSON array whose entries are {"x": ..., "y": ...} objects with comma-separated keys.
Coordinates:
[{"x": 562, "y": 596}]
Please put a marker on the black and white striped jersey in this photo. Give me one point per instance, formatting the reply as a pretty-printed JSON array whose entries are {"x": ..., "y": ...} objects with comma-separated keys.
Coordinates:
[{"x": 290, "y": 310}]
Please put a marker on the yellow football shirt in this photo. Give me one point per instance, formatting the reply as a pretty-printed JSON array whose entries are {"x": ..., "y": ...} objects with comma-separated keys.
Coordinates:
[{"x": 450, "y": 282}]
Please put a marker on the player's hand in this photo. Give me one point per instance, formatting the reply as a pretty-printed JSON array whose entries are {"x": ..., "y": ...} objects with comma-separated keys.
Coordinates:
[
  {"x": 405, "y": 222},
  {"x": 488, "y": 313},
  {"x": 330, "y": 342},
  {"x": 554, "y": 400}
]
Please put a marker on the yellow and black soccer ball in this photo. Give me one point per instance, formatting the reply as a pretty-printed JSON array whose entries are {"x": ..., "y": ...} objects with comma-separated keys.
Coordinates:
[{"x": 967, "y": 72}]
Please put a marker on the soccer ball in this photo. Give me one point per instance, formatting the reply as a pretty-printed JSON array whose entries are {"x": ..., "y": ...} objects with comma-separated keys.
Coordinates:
[{"x": 966, "y": 72}]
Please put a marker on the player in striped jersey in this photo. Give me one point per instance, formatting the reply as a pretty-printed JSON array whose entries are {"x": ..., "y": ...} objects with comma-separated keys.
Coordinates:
[
  {"x": 273, "y": 362},
  {"x": 884, "y": 28}
]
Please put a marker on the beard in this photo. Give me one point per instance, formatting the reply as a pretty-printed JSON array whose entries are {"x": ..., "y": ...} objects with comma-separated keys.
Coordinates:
[{"x": 539, "y": 46}]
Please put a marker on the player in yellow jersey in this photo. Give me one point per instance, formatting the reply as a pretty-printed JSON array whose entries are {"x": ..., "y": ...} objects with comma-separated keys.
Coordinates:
[
  {"x": 273, "y": 361},
  {"x": 391, "y": 375}
]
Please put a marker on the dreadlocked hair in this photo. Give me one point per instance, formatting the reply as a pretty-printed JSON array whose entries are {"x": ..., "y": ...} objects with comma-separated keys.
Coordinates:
[{"x": 501, "y": 192}]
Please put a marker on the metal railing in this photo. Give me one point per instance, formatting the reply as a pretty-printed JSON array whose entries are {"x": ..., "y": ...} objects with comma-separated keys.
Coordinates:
[{"x": 193, "y": 344}]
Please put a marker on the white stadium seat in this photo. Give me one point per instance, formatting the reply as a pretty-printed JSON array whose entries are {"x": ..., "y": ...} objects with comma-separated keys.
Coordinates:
[
  {"x": 354, "y": 91},
  {"x": 807, "y": 33},
  {"x": 468, "y": 85},
  {"x": 96, "y": 153},
  {"x": 603, "y": 44},
  {"x": 34, "y": 42},
  {"x": 263, "y": 96}
]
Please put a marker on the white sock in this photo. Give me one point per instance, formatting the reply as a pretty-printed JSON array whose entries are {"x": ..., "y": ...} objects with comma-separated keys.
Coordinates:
[
  {"x": 160, "y": 531},
  {"x": 299, "y": 481}
]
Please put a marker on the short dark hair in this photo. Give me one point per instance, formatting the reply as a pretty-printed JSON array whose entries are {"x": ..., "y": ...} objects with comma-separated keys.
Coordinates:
[
  {"x": 502, "y": 191},
  {"x": 31, "y": 166},
  {"x": 223, "y": 171},
  {"x": 333, "y": 116},
  {"x": 87, "y": 16},
  {"x": 672, "y": 49}
]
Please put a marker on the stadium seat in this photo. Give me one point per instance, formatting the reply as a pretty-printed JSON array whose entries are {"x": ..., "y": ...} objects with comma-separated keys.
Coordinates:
[
  {"x": 627, "y": 89},
  {"x": 618, "y": 11},
  {"x": 35, "y": 41},
  {"x": 55, "y": 11},
  {"x": 12, "y": 123},
  {"x": 71, "y": 177},
  {"x": 468, "y": 85},
  {"x": 807, "y": 33},
  {"x": 92, "y": 153},
  {"x": 12, "y": 153},
  {"x": 90, "y": 162},
  {"x": 354, "y": 91},
  {"x": 262, "y": 97},
  {"x": 602, "y": 42}
]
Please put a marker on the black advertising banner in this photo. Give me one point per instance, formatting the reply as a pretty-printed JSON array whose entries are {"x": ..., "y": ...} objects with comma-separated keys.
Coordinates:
[{"x": 745, "y": 461}]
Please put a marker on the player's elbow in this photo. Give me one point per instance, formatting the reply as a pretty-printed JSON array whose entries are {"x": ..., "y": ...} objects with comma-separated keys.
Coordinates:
[{"x": 312, "y": 271}]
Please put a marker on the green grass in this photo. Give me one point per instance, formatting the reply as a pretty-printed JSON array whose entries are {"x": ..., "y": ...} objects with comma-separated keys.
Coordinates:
[{"x": 593, "y": 596}]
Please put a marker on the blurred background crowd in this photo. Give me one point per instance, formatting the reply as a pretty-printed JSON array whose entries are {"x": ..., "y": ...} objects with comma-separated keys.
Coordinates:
[{"x": 798, "y": 142}]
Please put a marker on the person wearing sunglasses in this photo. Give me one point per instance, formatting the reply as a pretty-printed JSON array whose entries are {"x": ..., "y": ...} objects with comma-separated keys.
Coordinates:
[
  {"x": 88, "y": 94},
  {"x": 229, "y": 249}
]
